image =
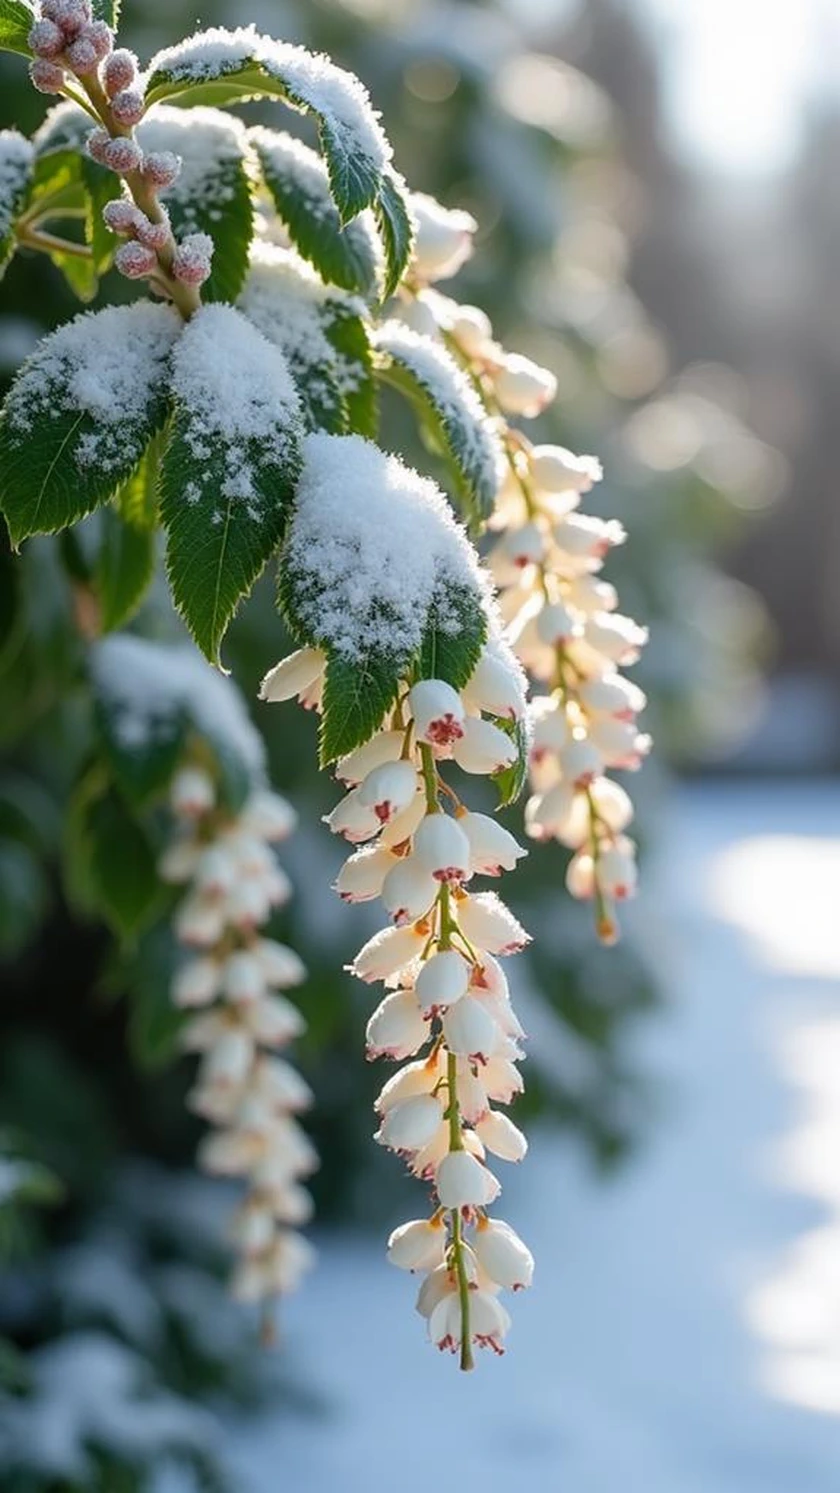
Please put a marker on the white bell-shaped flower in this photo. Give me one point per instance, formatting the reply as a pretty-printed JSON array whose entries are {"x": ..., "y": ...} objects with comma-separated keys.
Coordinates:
[
  {"x": 197, "y": 982},
  {"x": 387, "y": 952},
  {"x": 493, "y": 849},
  {"x": 193, "y": 793},
  {"x": 441, "y": 848},
  {"x": 443, "y": 237},
  {"x": 243, "y": 978},
  {"x": 396, "y": 1029},
  {"x": 554, "y": 469},
  {"x": 293, "y": 675},
  {"x": 490, "y": 925},
  {"x": 463, "y": 1182},
  {"x": 497, "y": 684},
  {"x": 443, "y": 979},
  {"x": 484, "y": 748},
  {"x": 502, "y": 1255},
  {"x": 385, "y": 746},
  {"x": 389, "y": 789},
  {"x": 418, "y": 1245},
  {"x": 362, "y": 875},
  {"x": 280, "y": 965},
  {"x": 522, "y": 387},
  {"x": 469, "y": 1030},
  {"x": 437, "y": 711},
  {"x": 416, "y": 1078},
  {"x": 353, "y": 819},
  {"x": 499, "y": 1134},
  {"x": 409, "y": 891},
  {"x": 411, "y": 1125}
]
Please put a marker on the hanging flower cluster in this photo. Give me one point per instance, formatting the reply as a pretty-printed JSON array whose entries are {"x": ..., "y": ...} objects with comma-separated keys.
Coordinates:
[
  {"x": 561, "y": 618},
  {"x": 231, "y": 979},
  {"x": 447, "y": 1006}
]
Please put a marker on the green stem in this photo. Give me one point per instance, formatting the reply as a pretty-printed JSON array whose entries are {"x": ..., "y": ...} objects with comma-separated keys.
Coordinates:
[
  {"x": 50, "y": 243},
  {"x": 430, "y": 778}
]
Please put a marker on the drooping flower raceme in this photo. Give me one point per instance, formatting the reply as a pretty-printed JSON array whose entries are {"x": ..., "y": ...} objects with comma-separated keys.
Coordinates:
[{"x": 232, "y": 979}]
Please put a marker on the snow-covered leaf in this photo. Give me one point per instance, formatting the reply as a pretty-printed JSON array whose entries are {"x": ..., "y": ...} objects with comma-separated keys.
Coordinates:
[
  {"x": 220, "y": 67},
  {"x": 15, "y": 25},
  {"x": 320, "y": 333},
  {"x": 124, "y": 568},
  {"x": 229, "y": 467},
  {"x": 212, "y": 194},
  {"x": 452, "y": 416},
  {"x": 455, "y": 634},
  {"x": 80, "y": 414},
  {"x": 299, "y": 185},
  {"x": 395, "y": 230},
  {"x": 372, "y": 562},
  {"x": 16, "y": 160}
]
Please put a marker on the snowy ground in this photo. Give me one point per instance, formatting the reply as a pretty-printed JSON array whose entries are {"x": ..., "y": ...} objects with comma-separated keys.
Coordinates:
[{"x": 683, "y": 1335}]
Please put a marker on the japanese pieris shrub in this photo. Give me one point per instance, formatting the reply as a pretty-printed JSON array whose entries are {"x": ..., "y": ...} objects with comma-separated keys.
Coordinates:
[{"x": 232, "y": 408}]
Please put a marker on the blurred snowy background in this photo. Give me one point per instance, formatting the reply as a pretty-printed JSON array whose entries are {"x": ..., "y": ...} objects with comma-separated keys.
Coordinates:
[{"x": 654, "y": 180}]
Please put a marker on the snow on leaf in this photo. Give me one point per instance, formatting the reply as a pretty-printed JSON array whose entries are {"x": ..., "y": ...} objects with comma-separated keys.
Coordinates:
[
  {"x": 80, "y": 414},
  {"x": 16, "y": 155},
  {"x": 220, "y": 66},
  {"x": 395, "y": 229},
  {"x": 449, "y": 409},
  {"x": 229, "y": 467}
]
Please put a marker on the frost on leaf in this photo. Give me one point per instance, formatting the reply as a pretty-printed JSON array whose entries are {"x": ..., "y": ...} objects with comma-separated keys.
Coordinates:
[
  {"x": 229, "y": 467},
  {"x": 212, "y": 193},
  {"x": 80, "y": 414},
  {"x": 450, "y": 410},
  {"x": 15, "y": 168},
  {"x": 219, "y": 66},
  {"x": 297, "y": 180},
  {"x": 319, "y": 331},
  {"x": 373, "y": 559}
]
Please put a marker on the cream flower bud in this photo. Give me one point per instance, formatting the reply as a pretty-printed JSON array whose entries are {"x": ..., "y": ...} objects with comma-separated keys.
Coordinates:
[
  {"x": 268, "y": 816},
  {"x": 523, "y": 546},
  {"x": 493, "y": 849},
  {"x": 580, "y": 762},
  {"x": 614, "y": 696},
  {"x": 549, "y": 727},
  {"x": 387, "y": 952},
  {"x": 388, "y": 789},
  {"x": 554, "y": 469},
  {"x": 618, "y": 638},
  {"x": 242, "y": 976},
  {"x": 193, "y": 793},
  {"x": 280, "y": 965},
  {"x": 278, "y": 1083},
  {"x": 293, "y": 675},
  {"x": 501, "y": 1136},
  {"x": 289, "y": 1204},
  {"x": 444, "y": 979},
  {"x": 463, "y": 1182},
  {"x": 469, "y": 1030},
  {"x": 522, "y": 387},
  {"x": 619, "y": 743},
  {"x": 617, "y": 871},
  {"x": 585, "y": 537},
  {"x": 497, "y": 684},
  {"x": 443, "y": 237},
  {"x": 197, "y": 982},
  {"x": 471, "y": 329},
  {"x": 362, "y": 876},
  {"x": 415, "y": 1078},
  {"x": 409, "y": 891},
  {"x": 199, "y": 922},
  {"x": 473, "y": 1101},
  {"x": 442, "y": 849},
  {"x": 215, "y": 871},
  {"x": 396, "y": 1029},
  {"x": 561, "y": 812},
  {"x": 353, "y": 819},
  {"x": 385, "y": 746},
  {"x": 555, "y": 624},
  {"x": 483, "y": 747},
  {"x": 580, "y": 876},
  {"x": 613, "y": 804},
  {"x": 179, "y": 860},
  {"x": 418, "y": 1245},
  {"x": 411, "y": 1125},
  {"x": 273, "y": 1020},
  {"x": 252, "y": 1228},
  {"x": 228, "y": 1062},
  {"x": 502, "y": 1255},
  {"x": 490, "y": 925},
  {"x": 438, "y": 712}
]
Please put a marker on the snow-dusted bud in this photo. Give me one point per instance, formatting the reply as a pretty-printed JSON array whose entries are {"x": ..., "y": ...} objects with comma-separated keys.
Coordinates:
[
  {"x": 128, "y": 106},
  {"x": 119, "y": 72},
  {"x": 70, "y": 15},
  {"x": 161, "y": 168},
  {"x": 442, "y": 849},
  {"x": 389, "y": 789},
  {"x": 46, "y": 39},
  {"x": 101, "y": 38},
  {"x": 463, "y": 1182},
  {"x": 443, "y": 237},
  {"x": 82, "y": 56},
  {"x": 154, "y": 236},
  {"x": 295, "y": 673},
  {"x": 523, "y": 387},
  {"x": 409, "y": 891},
  {"x": 502, "y": 1255},
  {"x": 418, "y": 1245},
  {"x": 134, "y": 260},
  {"x": 438, "y": 712},
  {"x": 554, "y": 469},
  {"x": 493, "y": 849},
  {"x": 443, "y": 980},
  {"x": 411, "y": 1125},
  {"x": 46, "y": 76},
  {"x": 191, "y": 262},
  {"x": 484, "y": 748},
  {"x": 121, "y": 216},
  {"x": 469, "y": 1030},
  {"x": 396, "y": 1029},
  {"x": 122, "y": 155},
  {"x": 490, "y": 925},
  {"x": 96, "y": 144}
]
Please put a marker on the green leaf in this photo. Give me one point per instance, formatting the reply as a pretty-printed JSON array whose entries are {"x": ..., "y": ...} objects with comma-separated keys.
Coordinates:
[
  {"x": 16, "y": 165},
  {"x": 154, "y": 1023},
  {"x": 213, "y": 193},
  {"x": 23, "y": 897},
  {"x": 511, "y": 780},
  {"x": 137, "y": 499},
  {"x": 451, "y": 651},
  {"x": 451, "y": 414},
  {"x": 319, "y": 332},
  {"x": 79, "y": 271},
  {"x": 99, "y": 186},
  {"x": 242, "y": 65},
  {"x": 356, "y": 697},
  {"x": 80, "y": 414},
  {"x": 143, "y": 740},
  {"x": 299, "y": 185},
  {"x": 15, "y": 25},
  {"x": 395, "y": 230},
  {"x": 11, "y": 597},
  {"x": 123, "y": 865},
  {"x": 229, "y": 468},
  {"x": 124, "y": 568},
  {"x": 107, "y": 10},
  {"x": 66, "y": 180}
]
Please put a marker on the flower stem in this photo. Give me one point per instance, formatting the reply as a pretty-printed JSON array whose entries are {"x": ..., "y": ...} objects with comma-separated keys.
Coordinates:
[{"x": 50, "y": 243}]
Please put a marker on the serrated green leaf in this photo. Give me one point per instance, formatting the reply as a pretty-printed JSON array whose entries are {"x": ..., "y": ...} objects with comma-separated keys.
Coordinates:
[
  {"x": 349, "y": 336},
  {"x": 124, "y": 568},
  {"x": 511, "y": 780},
  {"x": 123, "y": 865},
  {"x": 356, "y": 697},
  {"x": 213, "y": 193},
  {"x": 395, "y": 230},
  {"x": 229, "y": 468},
  {"x": 15, "y": 25},
  {"x": 242, "y": 65},
  {"x": 299, "y": 186},
  {"x": 16, "y": 166},
  {"x": 78, "y": 418},
  {"x": 99, "y": 186},
  {"x": 137, "y": 499},
  {"x": 107, "y": 10},
  {"x": 450, "y": 413},
  {"x": 455, "y": 635},
  {"x": 79, "y": 271}
]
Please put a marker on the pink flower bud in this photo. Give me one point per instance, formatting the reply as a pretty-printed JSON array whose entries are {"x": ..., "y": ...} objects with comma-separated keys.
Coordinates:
[
  {"x": 191, "y": 260},
  {"x": 81, "y": 56},
  {"x": 119, "y": 71},
  {"x": 128, "y": 106},
  {"x": 154, "y": 235},
  {"x": 46, "y": 39},
  {"x": 123, "y": 156},
  {"x": 121, "y": 216},
  {"x": 70, "y": 15},
  {"x": 161, "y": 168},
  {"x": 46, "y": 76},
  {"x": 101, "y": 38},
  {"x": 97, "y": 143},
  {"x": 134, "y": 260}
]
